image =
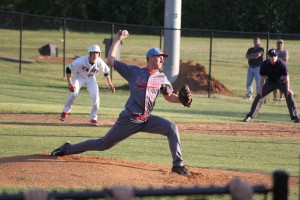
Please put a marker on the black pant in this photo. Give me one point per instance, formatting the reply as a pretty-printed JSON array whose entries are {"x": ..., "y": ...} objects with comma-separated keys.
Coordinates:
[{"x": 268, "y": 88}]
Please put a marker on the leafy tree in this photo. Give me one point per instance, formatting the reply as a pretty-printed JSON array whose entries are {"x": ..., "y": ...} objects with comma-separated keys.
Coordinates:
[
  {"x": 232, "y": 15},
  {"x": 143, "y": 12},
  {"x": 57, "y": 8}
]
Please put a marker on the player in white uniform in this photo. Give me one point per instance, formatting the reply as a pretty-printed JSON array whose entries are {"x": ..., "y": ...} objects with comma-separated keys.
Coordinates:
[{"x": 85, "y": 69}]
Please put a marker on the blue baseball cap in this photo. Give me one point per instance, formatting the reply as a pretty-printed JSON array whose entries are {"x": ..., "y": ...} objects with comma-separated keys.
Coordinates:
[{"x": 156, "y": 52}]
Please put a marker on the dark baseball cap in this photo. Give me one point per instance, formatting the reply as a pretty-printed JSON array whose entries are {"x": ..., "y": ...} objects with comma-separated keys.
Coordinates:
[
  {"x": 272, "y": 52},
  {"x": 156, "y": 52}
]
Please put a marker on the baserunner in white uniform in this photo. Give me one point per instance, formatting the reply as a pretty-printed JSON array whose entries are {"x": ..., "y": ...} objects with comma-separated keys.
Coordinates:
[
  {"x": 85, "y": 69},
  {"x": 145, "y": 85}
]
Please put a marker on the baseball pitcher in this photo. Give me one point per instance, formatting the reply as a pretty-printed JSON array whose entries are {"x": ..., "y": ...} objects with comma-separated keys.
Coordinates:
[{"x": 145, "y": 84}]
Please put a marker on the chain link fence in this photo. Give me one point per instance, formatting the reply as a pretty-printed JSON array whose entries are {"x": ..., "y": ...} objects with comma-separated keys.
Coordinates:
[{"x": 221, "y": 52}]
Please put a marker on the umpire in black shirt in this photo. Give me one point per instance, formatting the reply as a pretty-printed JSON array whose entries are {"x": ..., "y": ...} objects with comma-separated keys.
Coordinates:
[{"x": 275, "y": 72}]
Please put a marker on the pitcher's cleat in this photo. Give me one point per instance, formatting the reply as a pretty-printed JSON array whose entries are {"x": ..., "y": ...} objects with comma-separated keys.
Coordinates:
[
  {"x": 181, "y": 170},
  {"x": 61, "y": 151}
]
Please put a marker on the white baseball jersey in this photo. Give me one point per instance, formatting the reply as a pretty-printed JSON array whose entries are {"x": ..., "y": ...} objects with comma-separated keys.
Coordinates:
[
  {"x": 83, "y": 67},
  {"x": 84, "y": 73}
]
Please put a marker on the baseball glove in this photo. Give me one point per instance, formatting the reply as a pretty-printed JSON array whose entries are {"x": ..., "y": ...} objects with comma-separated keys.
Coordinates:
[
  {"x": 72, "y": 87},
  {"x": 185, "y": 96}
]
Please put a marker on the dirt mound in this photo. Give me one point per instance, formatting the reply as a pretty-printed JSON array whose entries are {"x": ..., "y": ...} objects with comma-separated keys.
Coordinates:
[
  {"x": 86, "y": 172},
  {"x": 195, "y": 75}
]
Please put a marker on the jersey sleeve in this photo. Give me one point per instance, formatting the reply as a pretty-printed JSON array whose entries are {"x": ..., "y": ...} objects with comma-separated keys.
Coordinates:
[
  {"x": 75, "y": 64},
  {"x": 262, "y": 70},
  {"x": 262, "y": 51},
  {"x": 248, "y": 51},
  {"x": 123, "y": 69},
  {"x": 166, "y": 87},
  {"x": 102, "y": 66}
]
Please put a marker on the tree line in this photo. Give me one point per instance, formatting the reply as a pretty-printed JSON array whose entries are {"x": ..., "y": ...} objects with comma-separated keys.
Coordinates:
[{"x": 274, "y": 16}]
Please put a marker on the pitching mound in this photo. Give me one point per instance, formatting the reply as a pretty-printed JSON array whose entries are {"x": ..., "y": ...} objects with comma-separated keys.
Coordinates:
[{"x": 85, "y": 172}]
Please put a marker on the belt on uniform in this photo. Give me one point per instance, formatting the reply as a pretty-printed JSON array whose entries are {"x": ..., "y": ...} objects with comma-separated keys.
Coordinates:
[{"x": 139, "y": 117}]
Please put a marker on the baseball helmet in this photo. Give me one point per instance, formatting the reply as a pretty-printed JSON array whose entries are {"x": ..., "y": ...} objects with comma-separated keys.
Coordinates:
[{"x": 94, "y": 48}]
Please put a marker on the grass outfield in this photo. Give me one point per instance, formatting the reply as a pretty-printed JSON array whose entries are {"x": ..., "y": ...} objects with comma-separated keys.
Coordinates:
[
  {"x": 228, "y": 64},
  {"x": 40, "y": 89}
]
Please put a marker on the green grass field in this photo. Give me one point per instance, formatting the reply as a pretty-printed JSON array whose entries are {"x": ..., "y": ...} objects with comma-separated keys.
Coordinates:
[
  {"x": 41, "y": 89},
  {"x": 228, "y": 64}
]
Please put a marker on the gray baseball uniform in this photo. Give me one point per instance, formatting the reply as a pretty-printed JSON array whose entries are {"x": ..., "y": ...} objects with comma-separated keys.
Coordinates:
[{"x": 136, "y": 117}]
